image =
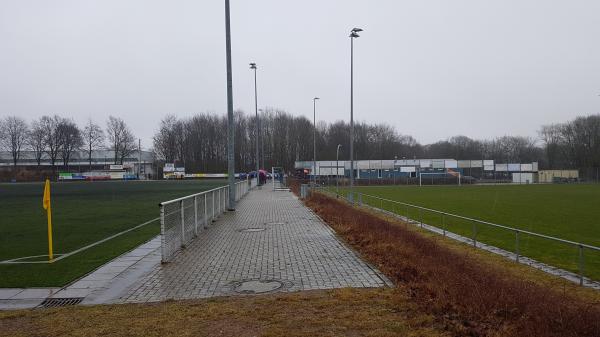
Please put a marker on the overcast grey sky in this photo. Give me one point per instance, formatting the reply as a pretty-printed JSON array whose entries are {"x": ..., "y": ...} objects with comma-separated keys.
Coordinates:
[{"x": 432, "y": 69}]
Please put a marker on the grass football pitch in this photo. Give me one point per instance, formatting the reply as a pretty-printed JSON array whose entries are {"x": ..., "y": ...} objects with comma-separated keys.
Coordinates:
[
  {"x": 83, "y": 213},
  {"x": 570, "y": 212}
]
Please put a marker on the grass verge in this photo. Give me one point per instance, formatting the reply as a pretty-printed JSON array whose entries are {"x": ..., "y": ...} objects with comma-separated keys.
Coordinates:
[
  {"x": 341, "y": 312},
  {"x": 466, "y": 294}
]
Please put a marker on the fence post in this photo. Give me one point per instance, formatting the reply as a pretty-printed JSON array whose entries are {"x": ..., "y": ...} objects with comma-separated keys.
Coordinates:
[
  {"x": 205, "y": 211},
  {"x": 421, "y": 216},
  {"x": 474, "y": 234},
  {"x": 196, "y": 215},
  {"x": 443, "y": 225},
  {"x": 163, "y": 246},
  {"x": 213, "y": 205},
  {"x": 182, "y": 224},
  {"x": 580, "y": 265},
  {"x": 517, "y": 252}
]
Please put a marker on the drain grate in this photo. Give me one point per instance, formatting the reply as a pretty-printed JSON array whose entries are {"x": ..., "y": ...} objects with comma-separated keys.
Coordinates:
[{"x": 60, "y": 302}]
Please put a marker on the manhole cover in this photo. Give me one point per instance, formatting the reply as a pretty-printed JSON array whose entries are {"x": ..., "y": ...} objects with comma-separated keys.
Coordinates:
[
  {"x": 257, "y": 286},
  {"x": 251, "y": 230}
]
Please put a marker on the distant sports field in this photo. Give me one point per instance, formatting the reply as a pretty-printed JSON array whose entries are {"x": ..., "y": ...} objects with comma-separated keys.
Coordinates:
[
  {"x": 83, "y": 213},
  {"x": 569, "y": 212}
]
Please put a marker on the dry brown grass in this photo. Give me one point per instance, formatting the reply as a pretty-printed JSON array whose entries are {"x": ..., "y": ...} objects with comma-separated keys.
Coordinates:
[
  {"x": 466, "y": 293},
  {"x": 342, "y": 312}
]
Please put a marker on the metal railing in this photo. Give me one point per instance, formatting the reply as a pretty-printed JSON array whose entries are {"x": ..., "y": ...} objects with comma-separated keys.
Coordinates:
[
  {"x": 419, "y": 213},
  {"x": 182, "y": 219}
]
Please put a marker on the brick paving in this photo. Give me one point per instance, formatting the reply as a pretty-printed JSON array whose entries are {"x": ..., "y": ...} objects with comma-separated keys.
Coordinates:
[{"x": 271, "y": 236}]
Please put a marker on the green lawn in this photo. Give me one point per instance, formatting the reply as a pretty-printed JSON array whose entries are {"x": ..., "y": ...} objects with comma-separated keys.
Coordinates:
[
  {"x": 570, "y": 212},
  {"x": 83, "y": 212}
]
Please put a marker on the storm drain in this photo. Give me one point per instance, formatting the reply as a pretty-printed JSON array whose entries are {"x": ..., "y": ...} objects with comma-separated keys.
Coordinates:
[
  {"x": 60, "y": 302},
  {"x": 252, "y": 230}
]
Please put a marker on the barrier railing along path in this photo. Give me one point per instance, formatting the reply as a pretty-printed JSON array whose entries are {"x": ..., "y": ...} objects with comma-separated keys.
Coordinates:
[{"x": 182, "y": 219}]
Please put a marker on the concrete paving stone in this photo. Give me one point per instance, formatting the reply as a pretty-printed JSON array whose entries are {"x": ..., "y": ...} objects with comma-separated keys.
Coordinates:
[
  {"x": 35, "y": 293},
  {"x": 70, "y": 293},
  {"x": 89, "y": 284},
  {"x": 20, "y": 303},
  {"x": 99, "y": 277},
  {"x": 7, "y": 293}
]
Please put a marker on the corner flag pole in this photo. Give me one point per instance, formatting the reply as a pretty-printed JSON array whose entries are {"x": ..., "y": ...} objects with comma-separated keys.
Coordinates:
[{"x": 48, "y": 208}]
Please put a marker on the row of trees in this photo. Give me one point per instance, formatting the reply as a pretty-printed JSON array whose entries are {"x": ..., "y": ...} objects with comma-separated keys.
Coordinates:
[
  {"x": 199, "y": 143},
  {"x": 58, "y": 138},
  {"x": 573, "y": 144}
]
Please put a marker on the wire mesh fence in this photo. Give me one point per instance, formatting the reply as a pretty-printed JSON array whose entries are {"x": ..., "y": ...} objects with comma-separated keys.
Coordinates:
[
  {"x": 580, "y": 258},
  {"x": 182, "y": 219}
]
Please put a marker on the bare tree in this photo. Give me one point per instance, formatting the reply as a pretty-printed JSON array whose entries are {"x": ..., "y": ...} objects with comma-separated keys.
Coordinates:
[
  {"x": 71, "y": 140},
  {"x": 13, "y": 136},
  {"x": 120, "y": 138},
  {"x": 165, "y": 140},
  {"x": 93, "y": 139},
  {"x": 52, "y": 138},
  {"x": 36, "y": 140}
]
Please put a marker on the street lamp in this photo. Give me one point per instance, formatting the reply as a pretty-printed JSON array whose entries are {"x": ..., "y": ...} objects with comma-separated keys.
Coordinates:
[
  {"x": 253, "y": 66},
  {"x": 315, "y": 139},
  {"x": 353, "y": 35},
  {"x": 262, "y": 149},
  {"x": 337, "y": 169},
  {"x": 230, "y": 126}
]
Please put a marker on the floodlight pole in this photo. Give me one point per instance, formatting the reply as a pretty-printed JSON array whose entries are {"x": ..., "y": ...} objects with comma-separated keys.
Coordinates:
[
  {"x": 253, "y": 66},
  {"x": 315, "y": 140},
  {"x": 230, "y": 122},
  {"x": 353, "y": 35},
  {"x": 337, "y": 168},
  {"x": 262, "y": 146}
]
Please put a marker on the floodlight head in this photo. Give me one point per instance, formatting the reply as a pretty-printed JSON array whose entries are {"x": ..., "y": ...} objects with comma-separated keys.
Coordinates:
[
  {"x": 316, "y": 98},
  {"x": 354, "y": 35},
  {"x": 252, "y": 65},
  {"x": 356, "y": 30}
]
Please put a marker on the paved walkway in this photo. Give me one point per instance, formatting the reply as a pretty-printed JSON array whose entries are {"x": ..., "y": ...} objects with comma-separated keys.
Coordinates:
[
  {"x": 272, "y": 240},
  {"x": 271, "y": 236}
]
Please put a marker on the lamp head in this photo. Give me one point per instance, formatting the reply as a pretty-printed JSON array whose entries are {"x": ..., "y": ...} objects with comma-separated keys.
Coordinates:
[
  {"x": 354, "y": 32},
  {"x": 252, "y": 65}
]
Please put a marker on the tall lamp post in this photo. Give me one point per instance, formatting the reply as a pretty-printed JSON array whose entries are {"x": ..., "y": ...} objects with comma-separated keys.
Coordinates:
[
  {"x": 315, "y": 139},
  {"x": 262, "y": 148},
  {"x": 253, "y": 66},
  {"x": 337, "y": 168},
  {"x": 353, "y": 35},
  {"x": 230, "y": 126}
]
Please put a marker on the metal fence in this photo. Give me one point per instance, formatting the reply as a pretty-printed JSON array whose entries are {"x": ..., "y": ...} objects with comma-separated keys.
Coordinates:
[
  {"x": 567, "y": 254},
  {"x": 182, "y": 219}
]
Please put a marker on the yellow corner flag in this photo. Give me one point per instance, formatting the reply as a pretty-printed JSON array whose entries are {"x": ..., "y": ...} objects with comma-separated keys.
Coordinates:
[{"x": 46, "y": 204}]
